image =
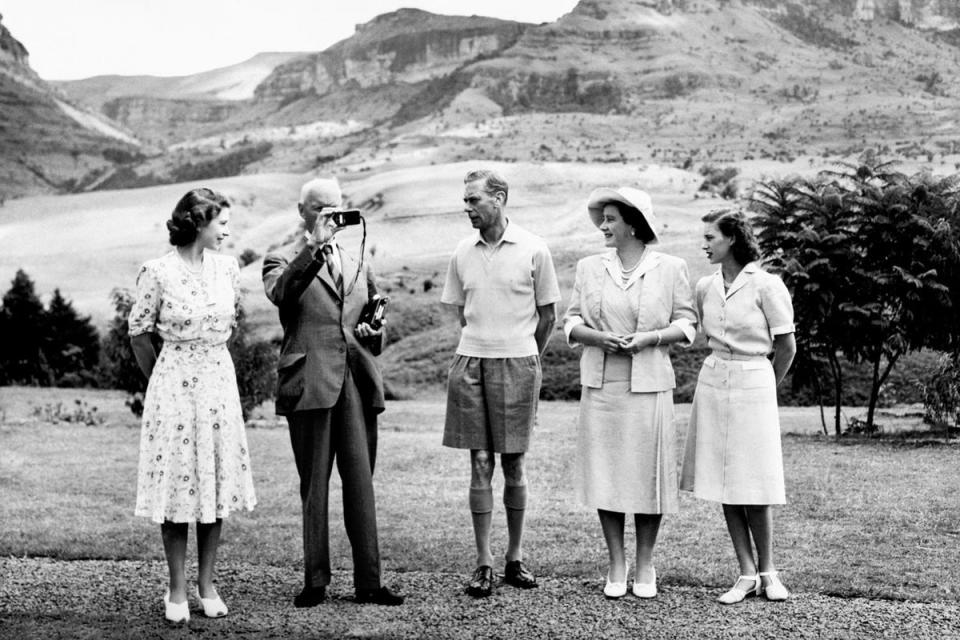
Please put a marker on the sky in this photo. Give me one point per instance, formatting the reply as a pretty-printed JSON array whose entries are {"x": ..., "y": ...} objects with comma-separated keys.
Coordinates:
[{"x": 70, "y": 39}]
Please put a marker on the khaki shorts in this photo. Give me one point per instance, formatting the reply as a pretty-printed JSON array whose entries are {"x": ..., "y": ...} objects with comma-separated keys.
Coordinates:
[{"x": 492, "y": 403}]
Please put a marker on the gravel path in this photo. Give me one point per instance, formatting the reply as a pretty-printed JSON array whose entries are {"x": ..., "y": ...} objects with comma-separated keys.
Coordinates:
[{"x": 43, "y": 598}]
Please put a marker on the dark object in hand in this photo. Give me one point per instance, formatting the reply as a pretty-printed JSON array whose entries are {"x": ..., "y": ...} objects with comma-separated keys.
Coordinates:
[
  {"x": 374, "y": 311},
  {"x": 346, "y": 217}
]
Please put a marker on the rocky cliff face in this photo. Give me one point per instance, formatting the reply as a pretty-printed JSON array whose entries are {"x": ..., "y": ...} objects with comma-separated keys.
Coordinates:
[
  {"x": 12, "y": 52},
  {"x": 923, "y": 14},
  {"x": 46, "y": 144},
  {"x": 406, "y": 46}
]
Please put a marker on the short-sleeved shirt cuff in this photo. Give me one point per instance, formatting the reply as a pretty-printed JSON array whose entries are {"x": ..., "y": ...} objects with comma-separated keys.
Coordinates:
[
  {"x": 550, "y": 300},
  {"x": 783, "y": 329},
  {"x": 568, "y": 326},
  {"x": 689, "y": 330}
]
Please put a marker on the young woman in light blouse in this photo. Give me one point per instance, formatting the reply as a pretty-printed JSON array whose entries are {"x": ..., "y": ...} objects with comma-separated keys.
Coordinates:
[
  {"x": 194, "y": 462},
  {"x": 732, "y": 453},
  {"x": 628, "y": 305}
]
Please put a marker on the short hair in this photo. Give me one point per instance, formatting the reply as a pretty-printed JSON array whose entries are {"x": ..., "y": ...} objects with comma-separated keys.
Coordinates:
[
  {"x": 733, "y": 223},
  {"x": 194, "y": 211},
  {"x": 327, "y": 189},
  {"x": 492, "y": 181},
  {"x": 633, "y": 217}
]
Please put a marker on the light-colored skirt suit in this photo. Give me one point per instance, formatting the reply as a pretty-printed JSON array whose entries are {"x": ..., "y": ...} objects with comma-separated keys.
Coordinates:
[
  {"x": 625, "y": 457},
  {"x": 732, "y": 453}
]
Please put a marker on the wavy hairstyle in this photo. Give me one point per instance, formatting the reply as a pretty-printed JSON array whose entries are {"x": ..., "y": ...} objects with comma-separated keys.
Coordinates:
[
  {"x": 195, "y": 210},
  {"x": 492, "y": 182},
  {"x": 734, "y": 224},
  {"x": 633, "y": 217}
]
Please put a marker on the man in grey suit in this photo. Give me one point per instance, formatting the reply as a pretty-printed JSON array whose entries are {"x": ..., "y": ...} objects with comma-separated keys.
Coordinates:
[{"x": 330, "y": 389}]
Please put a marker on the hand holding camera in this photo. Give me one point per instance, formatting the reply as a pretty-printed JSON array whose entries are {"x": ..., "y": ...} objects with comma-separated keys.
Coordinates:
[{"x": 327, "y": 224}]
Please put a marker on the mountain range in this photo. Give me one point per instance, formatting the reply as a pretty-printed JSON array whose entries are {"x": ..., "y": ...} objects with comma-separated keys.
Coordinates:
[{"x": 611, "y": 81}]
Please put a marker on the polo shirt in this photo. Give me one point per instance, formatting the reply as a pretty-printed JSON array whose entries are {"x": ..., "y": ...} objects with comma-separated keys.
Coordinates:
[{"x": 500, "y": 287}]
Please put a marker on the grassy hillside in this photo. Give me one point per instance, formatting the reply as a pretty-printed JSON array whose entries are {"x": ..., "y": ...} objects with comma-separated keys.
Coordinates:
[{"x": 87, "y": 244}]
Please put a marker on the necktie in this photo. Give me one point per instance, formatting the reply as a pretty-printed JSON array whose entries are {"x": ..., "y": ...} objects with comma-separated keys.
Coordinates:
[{"x": 332, "y": 266}]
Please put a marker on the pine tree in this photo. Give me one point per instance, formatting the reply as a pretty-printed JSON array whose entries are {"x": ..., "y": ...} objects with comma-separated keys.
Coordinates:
[
  {"x": 22, "y": 359},
  {"x": 71, "y": 345}
]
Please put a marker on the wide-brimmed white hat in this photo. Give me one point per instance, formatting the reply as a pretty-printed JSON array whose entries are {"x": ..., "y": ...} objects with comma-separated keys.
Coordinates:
[{"x": 639, "y": 200}]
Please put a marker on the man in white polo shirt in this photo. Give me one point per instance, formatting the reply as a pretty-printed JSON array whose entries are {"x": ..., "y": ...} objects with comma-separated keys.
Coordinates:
[{"x": 502, "y": 281}]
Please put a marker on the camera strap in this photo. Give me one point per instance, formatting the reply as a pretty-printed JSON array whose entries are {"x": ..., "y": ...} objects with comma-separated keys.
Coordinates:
[{"x": 363, "y": 249}]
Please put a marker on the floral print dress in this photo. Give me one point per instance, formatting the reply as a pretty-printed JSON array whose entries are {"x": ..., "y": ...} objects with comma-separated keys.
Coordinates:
[{"x": 194, "y": 460}]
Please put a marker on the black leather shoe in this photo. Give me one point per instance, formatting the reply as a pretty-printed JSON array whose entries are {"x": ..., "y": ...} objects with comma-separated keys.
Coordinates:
[
  {"x": 310, "y": 597},
  {"x": 481, "y": 585},
  {"x": 517, "y": 574},
  {"x": 383, "y": 596}
]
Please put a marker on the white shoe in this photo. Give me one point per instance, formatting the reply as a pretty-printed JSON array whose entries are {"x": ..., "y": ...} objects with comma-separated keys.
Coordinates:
[
  {"x": 615, "y": 590},
  {"x": 775, "y": 590},
  {"x": 645, "y": 589},
  {"x": 212, "y": 607},
  {"x": 739, "y": 594},
  {"x": 175, "y": 612}
]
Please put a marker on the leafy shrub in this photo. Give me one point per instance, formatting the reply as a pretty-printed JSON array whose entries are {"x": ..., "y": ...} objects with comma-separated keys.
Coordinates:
[
  {"x": 941, "y": 393},
  {"x": 118, "y": 368},
  {"x": 247, "y": 257},
  {"x": 79, "y": 413},
  {"x": 256, "y": 365}
]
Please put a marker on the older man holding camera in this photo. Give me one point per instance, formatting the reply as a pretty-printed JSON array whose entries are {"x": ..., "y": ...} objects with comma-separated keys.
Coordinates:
[{"x": 329, "y": 388}]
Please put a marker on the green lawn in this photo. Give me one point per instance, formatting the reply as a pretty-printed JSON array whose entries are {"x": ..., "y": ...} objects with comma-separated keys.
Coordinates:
[{"x": 865, "y": 517}]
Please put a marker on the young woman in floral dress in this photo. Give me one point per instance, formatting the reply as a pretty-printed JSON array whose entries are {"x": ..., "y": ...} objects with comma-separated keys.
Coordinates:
[{"x": 194, "y": 461}]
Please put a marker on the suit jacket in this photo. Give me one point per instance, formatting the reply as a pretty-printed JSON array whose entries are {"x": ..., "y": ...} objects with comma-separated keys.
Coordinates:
[
  {"x": 318, "y": 332},
  {"x": 665, "y": 300}
]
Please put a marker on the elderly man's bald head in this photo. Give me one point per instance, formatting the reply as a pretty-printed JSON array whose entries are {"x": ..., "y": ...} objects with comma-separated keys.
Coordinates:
[{"x": 321, "y": 191}]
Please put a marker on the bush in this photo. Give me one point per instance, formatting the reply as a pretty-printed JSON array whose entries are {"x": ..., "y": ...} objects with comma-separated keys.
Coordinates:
[
  {"x": 941, "y": 394},
  {"x": 247, "y": 257},
  {"x": 80, "y": 413},
  {"x": 256, "y": 364}
]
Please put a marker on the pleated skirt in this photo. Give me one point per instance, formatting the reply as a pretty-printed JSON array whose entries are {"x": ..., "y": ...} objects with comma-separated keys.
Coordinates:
[{"x": 626, "y": 460}]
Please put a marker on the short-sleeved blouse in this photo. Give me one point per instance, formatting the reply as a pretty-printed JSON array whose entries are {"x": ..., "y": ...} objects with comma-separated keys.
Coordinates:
[
  {"x": 180, "y": 305},
  {"x": 744, "y": 319}
]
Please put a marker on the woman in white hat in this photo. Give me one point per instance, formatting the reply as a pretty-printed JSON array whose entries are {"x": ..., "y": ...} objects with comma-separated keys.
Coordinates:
[
  {"x": 732, "y": 454},
  {"x": 628, "y": 305}
]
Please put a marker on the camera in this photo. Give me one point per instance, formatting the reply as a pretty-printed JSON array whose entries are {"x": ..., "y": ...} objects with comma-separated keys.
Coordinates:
[
  {"x": 374, "y": 311},
  {"x": 346, "y": 218}
]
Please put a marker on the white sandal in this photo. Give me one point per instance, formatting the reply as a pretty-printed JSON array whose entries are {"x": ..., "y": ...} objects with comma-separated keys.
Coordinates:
[
  {"x": 774, "y": 591},
  {"x": 739, "y": 594}
]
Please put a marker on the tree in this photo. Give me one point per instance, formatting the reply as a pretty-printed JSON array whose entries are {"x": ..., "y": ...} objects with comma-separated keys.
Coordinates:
[
  {"x": 71, "y": 343},
  {"x": 22, "y": 359},
  {"x": 256, "y": 365},
  {"x": 118, "y": 367},
  {"x": 871, "y": 258}
]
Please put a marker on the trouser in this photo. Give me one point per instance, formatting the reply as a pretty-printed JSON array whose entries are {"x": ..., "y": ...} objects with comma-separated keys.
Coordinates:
[{"x": 346, "y": 432}]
